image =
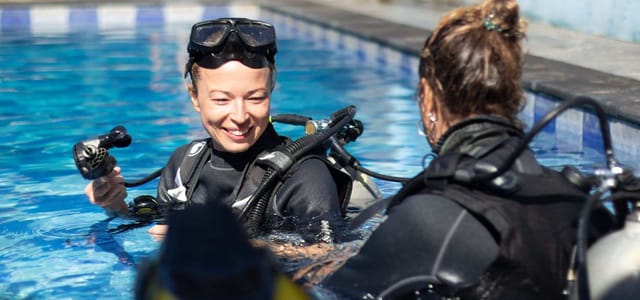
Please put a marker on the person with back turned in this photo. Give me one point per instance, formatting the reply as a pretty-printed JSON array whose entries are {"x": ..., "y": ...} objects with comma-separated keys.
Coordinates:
[{"x": 448, "y": 233}]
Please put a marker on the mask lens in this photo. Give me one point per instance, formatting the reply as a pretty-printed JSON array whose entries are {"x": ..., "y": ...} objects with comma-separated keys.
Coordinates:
[
  {"x": 209, "y": 35},
  {"x": 256, "y": 34},
  {"x": 215, "y": 42}
]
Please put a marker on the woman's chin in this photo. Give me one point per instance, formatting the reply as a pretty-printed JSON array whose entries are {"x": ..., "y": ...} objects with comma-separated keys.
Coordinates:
[{"x": 236, "y": 147}]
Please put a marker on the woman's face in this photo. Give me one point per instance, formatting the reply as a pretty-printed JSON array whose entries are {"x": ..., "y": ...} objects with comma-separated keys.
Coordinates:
[{"x": 233, "y": 101}]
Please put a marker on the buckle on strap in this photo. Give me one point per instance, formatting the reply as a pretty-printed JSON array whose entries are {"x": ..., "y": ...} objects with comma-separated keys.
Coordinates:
[{"x": 280, "y": 161}]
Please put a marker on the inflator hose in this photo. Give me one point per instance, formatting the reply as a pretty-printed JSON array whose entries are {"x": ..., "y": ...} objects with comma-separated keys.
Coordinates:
[
  {"x": 349, "y": 160},
  {"x": 290, "y": 119},
  {"x": 142, "y": 181},
  {"x": 254, "y": 216},
  {"x": 581, "y": 100},
  {"x": 255, "y": 209}
]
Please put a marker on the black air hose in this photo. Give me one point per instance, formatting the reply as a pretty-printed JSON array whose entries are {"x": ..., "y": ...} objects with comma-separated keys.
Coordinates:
[
  {"x": 142, "y": 181},
  {"x": 290, "y": 119},
  {"x": 255, "y": 209},
  {"x": 254, "y": 217},
  {"x": 255, "y": 213},
  {"x": 579, "y": 101}
]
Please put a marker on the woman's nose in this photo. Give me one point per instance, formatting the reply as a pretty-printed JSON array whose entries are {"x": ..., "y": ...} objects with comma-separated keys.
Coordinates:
[{"x": 238, "y": 111}]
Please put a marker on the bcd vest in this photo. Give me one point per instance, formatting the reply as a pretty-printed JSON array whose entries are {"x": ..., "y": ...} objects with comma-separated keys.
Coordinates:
[
  {"x": 254, "y": 172},
  {"x": 532, "y": 215}
]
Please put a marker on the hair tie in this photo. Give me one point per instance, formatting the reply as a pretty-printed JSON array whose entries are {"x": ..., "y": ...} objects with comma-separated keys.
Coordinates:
[{"x": 490, "y": 25}]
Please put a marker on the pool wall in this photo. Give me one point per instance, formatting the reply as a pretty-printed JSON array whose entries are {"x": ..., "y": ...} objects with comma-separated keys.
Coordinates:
[{"x": 614, "y": 18}]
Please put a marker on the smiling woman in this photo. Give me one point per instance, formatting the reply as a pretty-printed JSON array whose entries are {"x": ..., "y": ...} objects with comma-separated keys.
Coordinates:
[
  {"x": 60, "y": 91},
  {"x": 233, "y": 102},
  {"x": 230, "y": 89}
]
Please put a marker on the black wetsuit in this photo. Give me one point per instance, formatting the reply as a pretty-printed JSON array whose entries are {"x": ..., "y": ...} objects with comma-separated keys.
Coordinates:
[
  {"x": 309, "y": 192},
  {"x": 511, "y": 239}
]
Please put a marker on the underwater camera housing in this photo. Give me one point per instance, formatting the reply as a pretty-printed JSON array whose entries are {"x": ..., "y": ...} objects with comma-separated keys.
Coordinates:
[{"x": 92, "y": 156}]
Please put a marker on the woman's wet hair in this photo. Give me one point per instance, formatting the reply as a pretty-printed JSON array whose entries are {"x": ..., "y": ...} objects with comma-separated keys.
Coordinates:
[{"x": 473, "y": 60}]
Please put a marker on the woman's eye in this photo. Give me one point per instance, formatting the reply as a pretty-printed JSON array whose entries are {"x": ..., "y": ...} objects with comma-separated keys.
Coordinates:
[
  {"x": 221, "y": 100},
  {"x": 257, "y": 99}
]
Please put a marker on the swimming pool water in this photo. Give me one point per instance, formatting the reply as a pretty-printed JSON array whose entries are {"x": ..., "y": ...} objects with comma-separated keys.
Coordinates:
[{"x": 60, "y": 85}]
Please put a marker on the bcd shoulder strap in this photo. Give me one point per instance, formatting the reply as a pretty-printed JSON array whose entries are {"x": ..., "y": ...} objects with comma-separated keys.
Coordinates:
[{"x": 196, "y": 156}]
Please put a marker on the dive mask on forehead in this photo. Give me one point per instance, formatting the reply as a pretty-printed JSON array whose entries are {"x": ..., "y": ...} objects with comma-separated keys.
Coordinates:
[{"x": 215, "y": 42}]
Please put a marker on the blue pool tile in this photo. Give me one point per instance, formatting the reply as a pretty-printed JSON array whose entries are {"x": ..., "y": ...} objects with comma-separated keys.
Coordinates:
[
  {"x": 83, "y": 18},
  {"x": 215, "y": 12},
  {"x": 15, "y": 18},
  {"x": 540, "y": 109},
  {"x": 324, "y": 40},
  {"x": 526, "y": 115},
  {"x": 381, "y": 57},
  {"x": 592, "y": 136},
  {"x": 569, "y": 131},
  {"x": 625, "y": 139},
  {"x": 341, "y": 42},
  {"x": 358, "y": 46},
  {"x": 405, "y": 65},
  {"x": 150, "y": 15}
]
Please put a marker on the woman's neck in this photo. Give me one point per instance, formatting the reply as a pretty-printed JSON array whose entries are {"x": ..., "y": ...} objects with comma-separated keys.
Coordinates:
[{"x": 238, "y": 160}]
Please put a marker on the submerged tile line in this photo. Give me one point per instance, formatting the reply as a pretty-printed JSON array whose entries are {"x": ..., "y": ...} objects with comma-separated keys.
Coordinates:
[{"x": 114, "y": 15}]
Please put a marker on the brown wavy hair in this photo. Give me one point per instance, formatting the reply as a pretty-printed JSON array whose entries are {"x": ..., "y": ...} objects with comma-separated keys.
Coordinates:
[{"x": 473, "y": 60}]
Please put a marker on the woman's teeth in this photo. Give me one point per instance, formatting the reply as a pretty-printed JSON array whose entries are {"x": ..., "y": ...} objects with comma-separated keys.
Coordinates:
[{"x": 237, "y": 132}]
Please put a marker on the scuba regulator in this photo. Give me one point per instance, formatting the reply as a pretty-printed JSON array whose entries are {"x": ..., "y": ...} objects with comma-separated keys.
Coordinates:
[{"x": 278, "y": 161}]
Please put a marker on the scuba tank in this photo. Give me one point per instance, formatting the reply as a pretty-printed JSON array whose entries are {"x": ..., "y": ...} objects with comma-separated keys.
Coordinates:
[{"x": 614, "y": 262}]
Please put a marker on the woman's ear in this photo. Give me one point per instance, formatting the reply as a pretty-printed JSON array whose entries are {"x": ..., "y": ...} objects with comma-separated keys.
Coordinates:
[
  {"x": 425, "y": 98},
  {"x": 193, "y": 94}
]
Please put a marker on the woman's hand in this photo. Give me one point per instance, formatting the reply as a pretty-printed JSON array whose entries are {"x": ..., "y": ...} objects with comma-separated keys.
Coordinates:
[
  {"x": 108, "y": 192},
  {"x": 158, "y": 231}
]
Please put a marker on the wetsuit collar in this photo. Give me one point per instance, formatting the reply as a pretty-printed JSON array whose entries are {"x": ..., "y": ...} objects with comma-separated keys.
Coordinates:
[
  {"x": 268, "y": 140},
  {"x": 467, "y": 132}
]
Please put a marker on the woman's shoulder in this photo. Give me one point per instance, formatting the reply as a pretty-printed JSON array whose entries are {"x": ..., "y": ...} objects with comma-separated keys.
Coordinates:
[{"x": 311, "y": 163}]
